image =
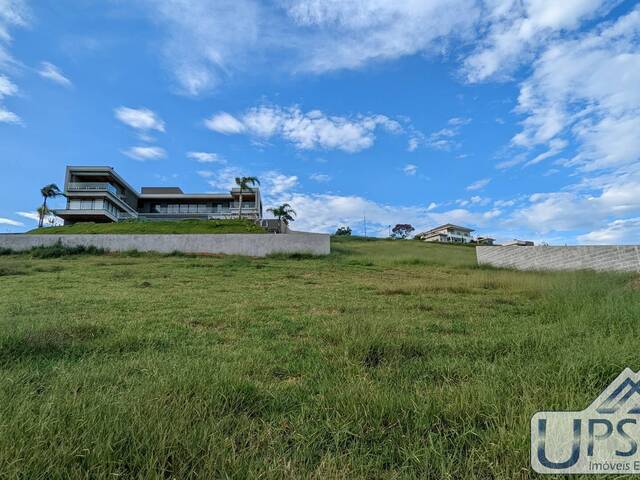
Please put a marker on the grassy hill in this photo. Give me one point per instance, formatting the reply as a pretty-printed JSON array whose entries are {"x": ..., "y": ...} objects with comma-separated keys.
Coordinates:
[
  {"x": 160, "y": 226},
  {"x": 383, "y": 360}
]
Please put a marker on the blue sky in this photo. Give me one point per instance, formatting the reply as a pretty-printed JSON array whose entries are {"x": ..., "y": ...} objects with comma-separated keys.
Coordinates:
[{"x": 517, "y": 118}]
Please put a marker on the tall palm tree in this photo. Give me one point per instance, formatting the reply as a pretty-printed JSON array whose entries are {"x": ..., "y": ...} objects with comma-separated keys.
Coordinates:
[
  {"x": 48, "y": 191},
  {"x": 243, "y": 183},
  {"x": 284, "y": 213}
]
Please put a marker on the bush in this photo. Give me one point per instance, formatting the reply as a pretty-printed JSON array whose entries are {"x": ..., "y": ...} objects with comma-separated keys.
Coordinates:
[
  {"x": 5, "y": 251},
  {"x": 58, "y": 250},
  {"x": 343, "y": 232}
]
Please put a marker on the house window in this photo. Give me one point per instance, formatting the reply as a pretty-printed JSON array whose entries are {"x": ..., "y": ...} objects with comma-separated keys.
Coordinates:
[{"x": 86, "y": 204}]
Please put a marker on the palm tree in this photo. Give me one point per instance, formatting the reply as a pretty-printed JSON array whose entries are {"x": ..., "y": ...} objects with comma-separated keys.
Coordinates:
[
  {"x": 284, "y": 213},
  {"x": 48, "y": 191},
  {"x": 43, "y": 212},
  {"x": 243, "y": 183}
]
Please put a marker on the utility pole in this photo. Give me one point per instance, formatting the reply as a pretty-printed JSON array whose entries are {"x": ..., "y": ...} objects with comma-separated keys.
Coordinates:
[
  {"x": 364, "y": 217},
  {"x": 389, "y": 231}
]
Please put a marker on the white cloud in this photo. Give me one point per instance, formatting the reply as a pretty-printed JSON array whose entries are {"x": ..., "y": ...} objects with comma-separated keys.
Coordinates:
[
  {"x": 432, "y": 206},
  {"x": 586, "y": 206},
  {"x": 13, "y": 13},
  {"x": 53, "y": 73},
  {"x": 459, "y": 121},
  {"x": 7, "y": 116},
  {"x": 275, "y": 183},
  {"x": 224, "y": 179},
  {"x": 325, "y": 213},
  {"x": 224, "y": 123},
  {"x": 13, "y": 223},
  {"x": 145, "y": 153},
  {"x": 139, "y": 118},
  {"x": 478, "y": 200},
  {"x": 35, "y": 217},
  {"x": 320, "y": 177},
  {"x": 515, "y": 30},
  {"x": 479, "y": 184},
  {"x": 306, "y": 131},
  {"x": 206, "y": 40},
  {"x": 617, "y": 232},
  {"x": 341, "y": 34},
  {"x": 30, "y": 215},
  {"x": 443, "y": 139},
  {"x": 7, "y": 87},
  {"x": 205, "y": 157},
  {"x": 571, "y": 93},
  {"x": 205, "y": 173},
  {"x": 410, "y": 169}
]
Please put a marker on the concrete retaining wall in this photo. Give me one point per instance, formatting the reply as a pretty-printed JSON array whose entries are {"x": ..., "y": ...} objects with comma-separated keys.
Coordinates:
[
  {"x": 604, "y": 258},
  {"x": 255, "y": 245}
]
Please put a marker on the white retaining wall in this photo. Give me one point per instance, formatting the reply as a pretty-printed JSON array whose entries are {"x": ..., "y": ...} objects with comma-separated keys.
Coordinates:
[
  {"x": 255, "y": 245},
  {"x": 624, "y": 258}
]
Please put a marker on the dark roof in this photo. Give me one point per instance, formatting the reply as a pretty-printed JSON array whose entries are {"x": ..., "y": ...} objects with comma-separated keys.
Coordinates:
[{"x": 161, "y": 190}]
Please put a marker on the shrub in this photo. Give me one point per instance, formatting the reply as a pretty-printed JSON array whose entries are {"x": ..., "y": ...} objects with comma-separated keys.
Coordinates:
[
  {"x": 343, "y": 232},
  {"x": 58, "y": 250}
]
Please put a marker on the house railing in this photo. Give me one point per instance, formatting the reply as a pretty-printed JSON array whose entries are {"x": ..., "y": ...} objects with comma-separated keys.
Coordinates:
[{"x": 92, "y": 186}]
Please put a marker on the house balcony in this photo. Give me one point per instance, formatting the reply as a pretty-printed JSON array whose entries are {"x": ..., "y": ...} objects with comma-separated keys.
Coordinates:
[
  {"x": 93, "y": 215},
  {"x": 92, "y": 187}
]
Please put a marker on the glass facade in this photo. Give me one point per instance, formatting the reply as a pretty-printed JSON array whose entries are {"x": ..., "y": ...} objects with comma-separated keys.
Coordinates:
[
  {"x": 93, "y": 204},
  {"x": 193, "y": 208}
]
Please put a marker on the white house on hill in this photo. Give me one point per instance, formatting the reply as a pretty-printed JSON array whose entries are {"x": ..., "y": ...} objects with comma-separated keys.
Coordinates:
[{"x": 448, "y": 233}]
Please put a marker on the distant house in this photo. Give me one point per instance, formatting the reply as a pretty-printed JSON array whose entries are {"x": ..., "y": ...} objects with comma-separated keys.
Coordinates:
[
  {"x": 519, "y": 243},
  {"x": 448, "y": 233},
  {"x": 485, "y": 241}
]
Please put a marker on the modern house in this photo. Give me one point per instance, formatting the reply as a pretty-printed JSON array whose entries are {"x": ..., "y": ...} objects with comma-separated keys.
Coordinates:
[
  {"x": 487, "y": 241},
  {"x": 448, "y": 233},
  {"x": 99, "y": 194}
]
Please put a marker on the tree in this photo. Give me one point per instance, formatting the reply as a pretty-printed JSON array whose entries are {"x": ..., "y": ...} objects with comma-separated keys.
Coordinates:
[
  {"x": 243, "y": 183},
  {"x": 48, "y": 191},
  {"x": 284, "y": 213},
  {"x": 402, "y": 230},
  {"x": 43, "y": 212},
  {"x": 343, "y": 231}
]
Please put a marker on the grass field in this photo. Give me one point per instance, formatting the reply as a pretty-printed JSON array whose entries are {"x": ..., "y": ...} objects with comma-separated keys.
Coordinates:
[
  {"x": 384, "y": 360},
  {"x": 157, "y": 226}
]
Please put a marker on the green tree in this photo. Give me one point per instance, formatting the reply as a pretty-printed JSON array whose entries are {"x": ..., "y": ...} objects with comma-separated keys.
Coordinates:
[
  {"x": 48, "y": 191},
  {"x": 243, "y": 183},
  {"x": 343, "y": 231},
  {"x": 284, "y": 213},
  {"x": 402, "y": 231}
]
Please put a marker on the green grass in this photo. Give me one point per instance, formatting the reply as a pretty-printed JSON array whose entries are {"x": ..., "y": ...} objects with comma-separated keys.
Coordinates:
[
  {"x": 384, "y": 360},
  {"x": 160, "y": 226}
]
